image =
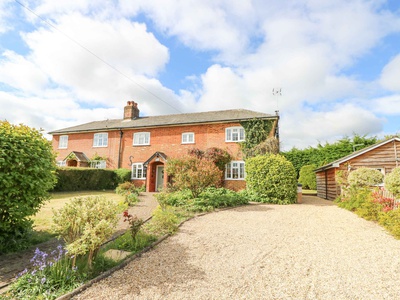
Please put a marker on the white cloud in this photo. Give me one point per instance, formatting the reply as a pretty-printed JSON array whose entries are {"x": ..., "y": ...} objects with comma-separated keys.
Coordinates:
[
  {"x": 390, "y": 77},
  {"x": 303, "y": 47},
  {"x": 306, "y": 127},
  {"x": 126, "y": 46},
  {"x": 20, "y": 73},
  {"x": 389, "y": 105}
]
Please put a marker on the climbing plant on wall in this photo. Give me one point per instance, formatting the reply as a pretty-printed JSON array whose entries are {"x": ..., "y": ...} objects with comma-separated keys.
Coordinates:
[{"x": 258, "y": 140}]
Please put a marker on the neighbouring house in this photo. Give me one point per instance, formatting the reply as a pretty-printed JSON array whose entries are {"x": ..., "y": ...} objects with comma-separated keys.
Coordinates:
[
  {"x": 144, "y": 144},
  {"x": 383, "y": 156}
]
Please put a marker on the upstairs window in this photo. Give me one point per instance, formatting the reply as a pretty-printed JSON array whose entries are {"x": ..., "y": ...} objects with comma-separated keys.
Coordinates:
[
  {"x": 235, "y": 170},
  {"x": 188, "y": 138},
  {"x": 63, "y": 143},
  {"x": 141, "y": 138},
  {"x": 234, "y": 134},
  {"x": 100, "y": 140},
  {"x": 138, "y": 171}
]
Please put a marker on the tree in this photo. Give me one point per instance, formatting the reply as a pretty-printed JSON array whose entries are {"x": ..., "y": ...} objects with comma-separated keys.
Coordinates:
[
  {"x": 27, "y": 173},
  {"x": 324, "y": 154},
  {"x": 307, "y": 177},
  {"x": 272, "y": 178},
  {"x": 193, "y": 173}
]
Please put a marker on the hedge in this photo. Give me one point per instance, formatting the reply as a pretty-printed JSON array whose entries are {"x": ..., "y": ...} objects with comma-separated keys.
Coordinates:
[{"x": 81, "y": 179}]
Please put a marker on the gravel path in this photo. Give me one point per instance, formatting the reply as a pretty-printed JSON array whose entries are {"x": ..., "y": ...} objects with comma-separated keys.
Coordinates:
[{"x": 310, "y": 251}]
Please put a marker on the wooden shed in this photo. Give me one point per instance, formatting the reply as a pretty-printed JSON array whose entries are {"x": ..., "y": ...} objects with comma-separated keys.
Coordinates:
[{"x": 383, "y": 156}]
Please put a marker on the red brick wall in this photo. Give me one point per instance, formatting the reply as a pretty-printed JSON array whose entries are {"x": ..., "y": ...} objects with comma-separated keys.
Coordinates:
[{"x": 162, "y": 139}]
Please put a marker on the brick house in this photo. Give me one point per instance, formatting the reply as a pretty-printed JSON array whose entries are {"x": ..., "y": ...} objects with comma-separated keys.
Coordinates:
[{"x": 144, "y": 144}]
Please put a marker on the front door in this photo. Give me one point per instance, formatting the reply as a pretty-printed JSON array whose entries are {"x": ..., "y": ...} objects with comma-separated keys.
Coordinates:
[{"x": 159, "y": 178}]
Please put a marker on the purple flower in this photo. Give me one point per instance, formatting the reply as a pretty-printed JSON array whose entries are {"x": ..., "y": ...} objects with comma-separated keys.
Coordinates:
[{"x": 43, "y": 280}]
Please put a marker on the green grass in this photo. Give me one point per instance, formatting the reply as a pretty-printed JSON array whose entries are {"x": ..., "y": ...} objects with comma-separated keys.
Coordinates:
[
  {"x": 309, "y": 192},
  {"x": 43, "y": 220}
]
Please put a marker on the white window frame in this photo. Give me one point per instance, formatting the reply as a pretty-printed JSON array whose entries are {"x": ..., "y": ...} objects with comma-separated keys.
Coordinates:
[
  {"x": 235, "y": 170},
  {"x": 188, "y": 138},
  {"x": 141, "y": 138},
  {"x": 138, "y": 168},
  {"x": 235, "y": 134},
  {"x": 100, "y": 139},
  {"x": 63, "y": 142},
  {"x": 98, "y": 164},
  {"x": 61, "y": 163}
]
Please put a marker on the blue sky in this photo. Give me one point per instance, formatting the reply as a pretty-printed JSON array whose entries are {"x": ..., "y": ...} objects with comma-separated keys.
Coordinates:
[{"x": 336, "y": 61}]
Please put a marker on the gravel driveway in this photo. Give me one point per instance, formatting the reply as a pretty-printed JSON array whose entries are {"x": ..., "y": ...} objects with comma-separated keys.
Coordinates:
[{"x": 310, "y": 251}]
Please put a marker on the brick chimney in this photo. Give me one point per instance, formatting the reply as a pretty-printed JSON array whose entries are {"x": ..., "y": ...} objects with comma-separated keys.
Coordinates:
[{"x": 131, "y": 110}]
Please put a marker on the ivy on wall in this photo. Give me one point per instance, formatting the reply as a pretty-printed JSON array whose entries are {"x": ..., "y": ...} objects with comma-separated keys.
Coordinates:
[{"x": 257, "y": 137}]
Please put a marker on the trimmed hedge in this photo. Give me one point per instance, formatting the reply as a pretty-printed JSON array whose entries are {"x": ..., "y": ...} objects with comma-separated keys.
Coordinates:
[
  {"x": 272, "y": 178},
  {"x": 81, "y": 179}
]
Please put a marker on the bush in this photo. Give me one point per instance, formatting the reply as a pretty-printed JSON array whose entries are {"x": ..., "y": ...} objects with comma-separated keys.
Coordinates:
[
  {"x": 354, "y": 198},
  {"x": 391, "y": 221},
  {"x": 123, "y": 175},
  {"x": 81, "y": 179},
  {"x": 307, "y": 177},
  {"x": 164, "y": 221},
  {"x": 27, "y": 165},
  {"x": 392, "y": 182},
  {"x": 193, "y": 173},
  {"x": 209, "y": 199},
  {"x": 363, "y": 177},
  {"x": 130, "y": 191},
  {"x": 85, "y": 224},
  {"x": 272, "y": 178},
  {"x": 129, "y": 187}
]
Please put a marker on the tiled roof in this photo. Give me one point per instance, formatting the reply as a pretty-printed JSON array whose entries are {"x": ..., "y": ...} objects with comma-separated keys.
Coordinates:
[{"x": 233, "y": 115}]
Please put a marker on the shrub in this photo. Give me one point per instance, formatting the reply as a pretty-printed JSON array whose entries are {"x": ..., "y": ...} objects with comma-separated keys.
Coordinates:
[
  {"x": 371, "y": 207},
  {"x": 130, "y": 191},
  {"x": 391, "y": 221},
  {"x": 85, "y": 224},
  {"x": 193, "y": 173},
  {"x": 354, "y": 198},
  {"x": 392, "y": 182},
  {"x": 272, "y": 178},
  {"x": 134, "y": 223},
  {"x": 128, "y": 187},
  {"x": 81, "y": 179},
  {"x": 208, "y": 200},
  {"x": 27, "y": 165},
  {"x": 122, "y": 175},
  {"x": 164, "y": 221},
  {"x": 363, "y": 177},
  {"x": 307, "y": 177}
]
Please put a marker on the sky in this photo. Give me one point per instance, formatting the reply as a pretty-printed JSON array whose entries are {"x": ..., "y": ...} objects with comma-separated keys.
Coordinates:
[{"x": 336, "y": 62}]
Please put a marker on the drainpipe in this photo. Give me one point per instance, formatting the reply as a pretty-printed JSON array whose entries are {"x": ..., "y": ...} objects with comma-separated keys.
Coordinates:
[{"x": 120, "y": 147}]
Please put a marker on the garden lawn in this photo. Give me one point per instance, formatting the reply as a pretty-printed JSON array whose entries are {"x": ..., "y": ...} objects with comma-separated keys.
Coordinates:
[{"x": 43, "y": 220}]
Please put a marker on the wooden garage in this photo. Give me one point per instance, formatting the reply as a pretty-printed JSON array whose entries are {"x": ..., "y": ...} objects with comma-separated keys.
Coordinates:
[{"x": 383, "y": 156}]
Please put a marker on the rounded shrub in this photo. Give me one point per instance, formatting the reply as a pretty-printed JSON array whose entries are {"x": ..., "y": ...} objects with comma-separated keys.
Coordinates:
[
  {"x": 392, "y": 181},
  {"x": 27, "y": 167},
  {"x": 272, "y": 178},
  {"x": 363, "y": 177},
  {"x": 307, "y": 177}
]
